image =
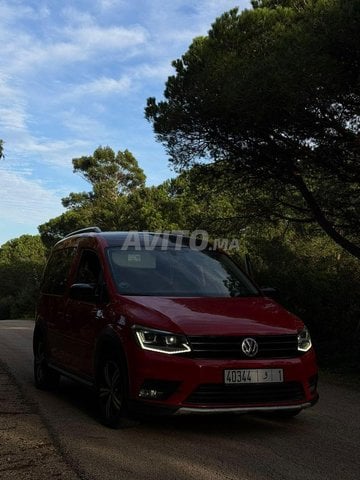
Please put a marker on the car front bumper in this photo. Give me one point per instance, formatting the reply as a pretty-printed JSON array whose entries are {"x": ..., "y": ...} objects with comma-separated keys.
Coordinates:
[{"x": 197, "y": 386}]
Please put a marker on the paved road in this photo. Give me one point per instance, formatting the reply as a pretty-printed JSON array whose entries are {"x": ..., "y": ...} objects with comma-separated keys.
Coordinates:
[{"x": 321, "y": 443}]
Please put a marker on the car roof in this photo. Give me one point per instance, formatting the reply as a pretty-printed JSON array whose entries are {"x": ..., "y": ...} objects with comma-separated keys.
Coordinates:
[{"x": 132, "y": 239}]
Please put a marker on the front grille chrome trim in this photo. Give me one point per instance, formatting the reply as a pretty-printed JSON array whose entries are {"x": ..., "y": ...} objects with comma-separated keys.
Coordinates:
[
  {"x": 229, "y": 347},
  {"x": 200, "y": 410}
]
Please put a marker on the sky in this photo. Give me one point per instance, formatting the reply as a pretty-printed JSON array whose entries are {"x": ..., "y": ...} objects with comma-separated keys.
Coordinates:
[{"x": 75, "y": 75}]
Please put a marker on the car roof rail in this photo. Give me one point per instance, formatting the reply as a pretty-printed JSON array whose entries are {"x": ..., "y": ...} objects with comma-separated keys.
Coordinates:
[{"x": 84, "y": 230}]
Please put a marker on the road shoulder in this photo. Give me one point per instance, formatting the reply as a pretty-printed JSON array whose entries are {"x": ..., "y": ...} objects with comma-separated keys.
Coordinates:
[{"x": 27, "y": 450}]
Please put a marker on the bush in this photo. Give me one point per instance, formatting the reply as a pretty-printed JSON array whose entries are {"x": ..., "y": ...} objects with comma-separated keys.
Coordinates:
[
  {"x": 318, "y": 282},
  {"x": 21, "y": 264}
]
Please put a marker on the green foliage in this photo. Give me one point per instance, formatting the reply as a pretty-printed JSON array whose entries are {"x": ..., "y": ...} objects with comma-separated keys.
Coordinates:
[
  {"x": 270, "y": 98},
  {"x": 110, "y": 174},
  {"x": 318, "y": 282},
  {"x": 56, "y": 228},
  {"x": 22, "y": 261},
  {"x": 279, "y": 3},
  {"x": 316, "y": 279},
  {"x": 113, "y": 177}
]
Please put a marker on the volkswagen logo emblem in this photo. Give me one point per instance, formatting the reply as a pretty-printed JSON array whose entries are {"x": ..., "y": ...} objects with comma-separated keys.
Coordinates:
[{"x": 250, "y": 347}]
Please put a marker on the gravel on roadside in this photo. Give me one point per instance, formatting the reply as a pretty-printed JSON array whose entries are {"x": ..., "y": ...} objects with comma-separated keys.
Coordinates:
[{"x": 27, "y": 450}]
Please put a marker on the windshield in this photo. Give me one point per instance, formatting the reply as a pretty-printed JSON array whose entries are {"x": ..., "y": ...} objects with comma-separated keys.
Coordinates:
[{"x": 181, "y": 272}]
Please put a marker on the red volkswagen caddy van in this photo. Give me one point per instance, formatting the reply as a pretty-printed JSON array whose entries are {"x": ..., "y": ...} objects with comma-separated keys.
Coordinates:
[{"x": 152, "y": 322}]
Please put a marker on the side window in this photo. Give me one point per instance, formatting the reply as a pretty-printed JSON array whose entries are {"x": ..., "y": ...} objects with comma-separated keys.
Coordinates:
[
  {"x": 57, "y": 271},
  {"x": 89, "y": 270}
]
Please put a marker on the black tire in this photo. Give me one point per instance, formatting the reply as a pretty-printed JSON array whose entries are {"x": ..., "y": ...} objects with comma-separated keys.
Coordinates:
[
  {"x": 45, "y": 378},
  {"x": 112, "y": 391}
]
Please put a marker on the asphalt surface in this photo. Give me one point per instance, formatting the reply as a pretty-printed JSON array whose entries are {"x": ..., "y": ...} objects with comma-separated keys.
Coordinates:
[{"x": 321, "y": 443}]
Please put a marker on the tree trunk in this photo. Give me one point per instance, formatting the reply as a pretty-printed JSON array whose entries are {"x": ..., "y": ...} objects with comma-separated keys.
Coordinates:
[{"x": 322, "y": 220}]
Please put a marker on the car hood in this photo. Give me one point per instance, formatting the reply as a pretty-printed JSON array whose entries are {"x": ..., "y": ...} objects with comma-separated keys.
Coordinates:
[{"x": 211, "y": 316}]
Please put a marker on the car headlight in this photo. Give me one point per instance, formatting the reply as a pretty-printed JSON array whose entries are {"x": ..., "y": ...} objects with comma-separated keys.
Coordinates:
[
  {"x": 304, "y": 340},
  {"x": 159, "y": 341}
]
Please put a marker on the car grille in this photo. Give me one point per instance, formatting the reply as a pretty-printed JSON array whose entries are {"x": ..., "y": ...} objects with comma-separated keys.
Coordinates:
[
  {"x": 211, "y": 394},
  {"x": 229, "y": 347}
]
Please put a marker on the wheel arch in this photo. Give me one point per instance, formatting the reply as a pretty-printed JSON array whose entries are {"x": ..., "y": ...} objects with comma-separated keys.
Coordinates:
[
  {"x": 39, "y": 332},
  {"x": 109, "y": 341}
]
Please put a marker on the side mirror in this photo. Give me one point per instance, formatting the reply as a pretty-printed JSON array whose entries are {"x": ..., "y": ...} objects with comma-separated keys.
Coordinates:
[
  {"x": 270, "y": 292},
  {"x": 82, "y": 292}
]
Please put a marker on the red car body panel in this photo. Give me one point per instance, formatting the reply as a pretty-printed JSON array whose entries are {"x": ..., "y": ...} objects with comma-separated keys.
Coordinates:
[
  {"x": 74, "y": 328},
  {"x": 214, "y": 316}
]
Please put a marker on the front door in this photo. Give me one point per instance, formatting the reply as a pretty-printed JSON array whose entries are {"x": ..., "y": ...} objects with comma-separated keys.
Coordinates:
[{"x": 86, "y": 316}]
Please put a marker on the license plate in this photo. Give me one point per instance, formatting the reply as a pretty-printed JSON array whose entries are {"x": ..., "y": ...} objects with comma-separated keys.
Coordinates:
[{"x": 262, "y": 375}]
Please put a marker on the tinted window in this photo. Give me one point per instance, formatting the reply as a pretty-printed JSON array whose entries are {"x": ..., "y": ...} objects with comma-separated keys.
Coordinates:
[
  {"x": 57, "y": 271},
  {"x": 177, "y": 272},
  {"x": 89, "y": 269}
]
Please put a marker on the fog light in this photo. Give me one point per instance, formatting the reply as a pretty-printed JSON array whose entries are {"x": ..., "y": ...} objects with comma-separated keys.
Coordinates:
[
  {"x": 313, "y": 384},
  {"x": 150, "y": 393},
  {"x": 153, "y": 389}
]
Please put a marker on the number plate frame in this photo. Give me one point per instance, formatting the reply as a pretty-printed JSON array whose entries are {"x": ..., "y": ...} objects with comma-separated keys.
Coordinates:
[{"x": 241, "y": 376}]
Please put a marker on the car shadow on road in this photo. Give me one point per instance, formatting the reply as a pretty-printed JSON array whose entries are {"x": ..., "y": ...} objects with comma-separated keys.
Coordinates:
[{"x": 84, "y": 400}]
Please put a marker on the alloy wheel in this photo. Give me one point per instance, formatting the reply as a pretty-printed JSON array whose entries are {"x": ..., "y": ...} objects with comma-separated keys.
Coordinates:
[{"x": 110, "y": 390}]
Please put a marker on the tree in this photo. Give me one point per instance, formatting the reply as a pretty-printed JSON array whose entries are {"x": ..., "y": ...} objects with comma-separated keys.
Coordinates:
[
  {"x": 110, "y": 173},
  {"x": 22, "y": 261},
  {"x": 112, "y": 177},
  {"x": 316, "y": 280},
  {"x": 56, "y": 228},
  {"x": 1, "y": 149},
  {"x": 270, "y": 101}
]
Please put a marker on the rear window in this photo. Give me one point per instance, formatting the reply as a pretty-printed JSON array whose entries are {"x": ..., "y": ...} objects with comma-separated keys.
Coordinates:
[{"x": 177, "y": 272}]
